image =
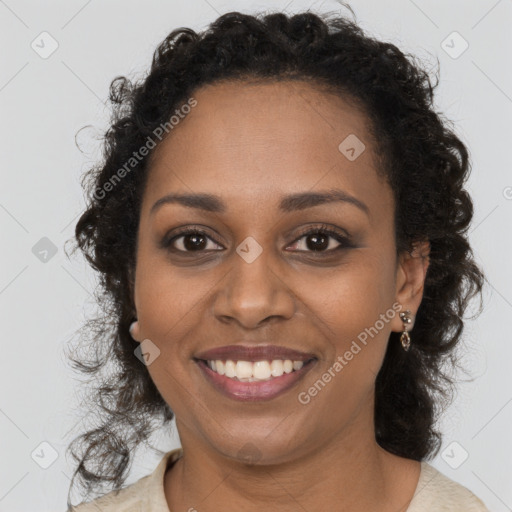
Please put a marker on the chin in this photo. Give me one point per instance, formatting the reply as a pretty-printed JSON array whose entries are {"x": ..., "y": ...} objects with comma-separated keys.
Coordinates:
[{"x": 257, "y": 450}]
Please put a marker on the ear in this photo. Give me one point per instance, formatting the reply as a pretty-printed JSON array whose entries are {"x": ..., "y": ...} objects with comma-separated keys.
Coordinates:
[
  {"x": 135, "y": 331},
  {"x": 410, "y": 281}
]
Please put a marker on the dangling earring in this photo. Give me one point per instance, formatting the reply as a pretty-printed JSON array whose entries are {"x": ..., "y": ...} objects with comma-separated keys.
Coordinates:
[
  {"x": 405, "y": 338},
  {"x": 132, "y": 325}
]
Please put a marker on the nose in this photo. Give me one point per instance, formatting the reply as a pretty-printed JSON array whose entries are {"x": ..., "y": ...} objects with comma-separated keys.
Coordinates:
[{"x": 252, "y": 293}]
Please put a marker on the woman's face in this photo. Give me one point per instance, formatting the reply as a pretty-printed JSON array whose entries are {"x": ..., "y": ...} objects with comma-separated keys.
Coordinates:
[{"x": 253, "y": 279}]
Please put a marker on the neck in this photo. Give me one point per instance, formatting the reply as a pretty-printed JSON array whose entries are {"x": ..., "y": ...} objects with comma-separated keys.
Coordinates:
[{"x": 350, "y": 472}]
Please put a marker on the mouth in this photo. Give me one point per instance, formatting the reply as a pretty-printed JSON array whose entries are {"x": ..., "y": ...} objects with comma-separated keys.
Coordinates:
[{"x": 254, "y": 373}]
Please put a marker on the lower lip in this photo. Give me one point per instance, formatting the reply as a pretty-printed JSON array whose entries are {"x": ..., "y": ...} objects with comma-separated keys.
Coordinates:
[{"x": 254, "y": 391}]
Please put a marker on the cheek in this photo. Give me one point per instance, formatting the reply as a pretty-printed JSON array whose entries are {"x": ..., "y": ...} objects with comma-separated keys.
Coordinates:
[
  {"x": 169, "y": 311},
  {"x": 353, "y": 307},
  {"x": 355, "y": 293},
  {"x": 169, "y": 301},
  {"x": 352, "y": 310}
]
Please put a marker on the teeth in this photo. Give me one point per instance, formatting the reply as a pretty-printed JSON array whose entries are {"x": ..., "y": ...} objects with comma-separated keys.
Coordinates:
[
  {"x": 297, "y": 365},
  {"x": 276, "y": 368},
  {"x": 260, "y": 370},
  {"x": 247, "y": 371},
  {"x": 243, "y": 369},
  {"x": 229, "y": 369}
]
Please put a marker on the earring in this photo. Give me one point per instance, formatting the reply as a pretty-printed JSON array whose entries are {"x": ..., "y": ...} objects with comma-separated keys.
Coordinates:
[
  {"x": 405, "y": 338},
  {"x": 132, "y": 325}
]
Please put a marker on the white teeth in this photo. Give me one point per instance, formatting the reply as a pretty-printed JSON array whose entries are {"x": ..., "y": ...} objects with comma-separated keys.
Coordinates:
[
  {"x": 276, "y": 368},
  {"x": 220, "y": 367},
  {"x": 297, "y": 365},
  {"x": 247, "y": 371},
  {"x": 243, "y": 369},
  {"x": 229, "y": 369},
  {"x": 261, "y": 370}
]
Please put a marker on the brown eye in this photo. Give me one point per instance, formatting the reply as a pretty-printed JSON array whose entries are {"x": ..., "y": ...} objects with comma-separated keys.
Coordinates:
[
  {"x": 321, "y": 240},
  {"x": 190, "y": 240},
  {"x": 314, "y": 240}
]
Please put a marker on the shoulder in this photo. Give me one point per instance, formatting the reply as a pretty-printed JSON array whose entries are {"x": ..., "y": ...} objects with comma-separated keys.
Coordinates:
[
  {"x": 436, "y": 491},
  {"x": 128, "y": 499},
  {"x": 144, "y": 495}
]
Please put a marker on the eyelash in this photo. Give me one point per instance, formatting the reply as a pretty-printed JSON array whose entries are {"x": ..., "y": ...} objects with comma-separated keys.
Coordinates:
[{"x": 344, "y": 240}]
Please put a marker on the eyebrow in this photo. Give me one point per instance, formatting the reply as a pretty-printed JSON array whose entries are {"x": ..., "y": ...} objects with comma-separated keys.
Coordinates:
[{"x": 287, "y": 204}]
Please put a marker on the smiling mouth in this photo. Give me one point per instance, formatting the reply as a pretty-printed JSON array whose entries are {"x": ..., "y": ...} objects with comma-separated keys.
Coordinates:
[
  {"x": 254, "y": 380},
  {"x": 254, "y": 371}
]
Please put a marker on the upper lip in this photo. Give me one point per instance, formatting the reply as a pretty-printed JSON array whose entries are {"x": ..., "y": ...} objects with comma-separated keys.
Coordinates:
[{"x": 253, "y": 353}]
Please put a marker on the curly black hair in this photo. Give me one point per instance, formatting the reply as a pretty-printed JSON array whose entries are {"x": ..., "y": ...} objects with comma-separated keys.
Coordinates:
[{"x": 420, "y": 156}]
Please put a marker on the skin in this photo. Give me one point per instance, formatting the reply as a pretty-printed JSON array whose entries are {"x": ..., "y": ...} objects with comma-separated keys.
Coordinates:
[{"x": 250, "y": 144}]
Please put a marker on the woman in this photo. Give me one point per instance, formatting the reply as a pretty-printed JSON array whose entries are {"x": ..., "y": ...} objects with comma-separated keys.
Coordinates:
[{"x": 280, "y": 226}]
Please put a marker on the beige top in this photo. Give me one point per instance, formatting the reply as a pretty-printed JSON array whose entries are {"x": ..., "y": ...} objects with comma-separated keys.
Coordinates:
[{"x": 435, "y": 492}]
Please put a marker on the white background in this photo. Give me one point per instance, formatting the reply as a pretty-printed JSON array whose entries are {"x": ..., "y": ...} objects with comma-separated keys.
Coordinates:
[{"x": 45, "y": 102}]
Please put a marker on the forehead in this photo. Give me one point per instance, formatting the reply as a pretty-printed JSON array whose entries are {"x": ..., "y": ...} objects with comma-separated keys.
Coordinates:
[{"x": 252, "y": 142}]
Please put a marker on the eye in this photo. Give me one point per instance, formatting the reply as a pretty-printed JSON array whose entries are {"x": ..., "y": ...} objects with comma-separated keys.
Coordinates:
[
  {"x": 317, "y": 240},
  {"x": 189, "y": 240}
]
